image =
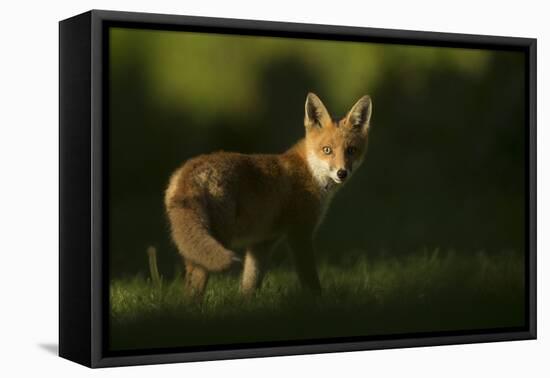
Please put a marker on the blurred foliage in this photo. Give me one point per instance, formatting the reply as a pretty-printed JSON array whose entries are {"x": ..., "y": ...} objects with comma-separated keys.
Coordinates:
[{"x": 446, "y": 160}]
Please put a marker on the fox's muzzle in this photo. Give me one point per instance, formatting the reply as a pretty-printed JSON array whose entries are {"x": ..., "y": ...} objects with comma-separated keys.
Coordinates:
[{"x": 342, "y": 174}]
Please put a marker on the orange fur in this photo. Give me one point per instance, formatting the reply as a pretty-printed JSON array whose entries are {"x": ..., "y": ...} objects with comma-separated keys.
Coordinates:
[{"x": 224, "y": 201}]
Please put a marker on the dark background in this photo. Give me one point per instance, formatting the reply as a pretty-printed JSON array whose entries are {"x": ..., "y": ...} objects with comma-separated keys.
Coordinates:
[{"x": 446, "y": 162}]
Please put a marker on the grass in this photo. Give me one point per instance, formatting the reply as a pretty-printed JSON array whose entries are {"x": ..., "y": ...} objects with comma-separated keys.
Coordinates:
[{"x": 426, "y": 292}]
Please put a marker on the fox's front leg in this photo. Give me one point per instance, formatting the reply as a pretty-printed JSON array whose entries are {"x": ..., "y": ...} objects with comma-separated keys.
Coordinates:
[{"x": 301, "y": 245}]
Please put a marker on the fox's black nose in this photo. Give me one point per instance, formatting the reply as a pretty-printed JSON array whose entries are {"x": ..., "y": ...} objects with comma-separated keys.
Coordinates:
[{"x": 342, "y": 174}]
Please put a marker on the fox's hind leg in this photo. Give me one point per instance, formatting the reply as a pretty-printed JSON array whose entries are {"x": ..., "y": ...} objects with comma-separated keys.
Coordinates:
[
  {"x": 196, "y": 278},
  {"x": 255, "y": 262}
]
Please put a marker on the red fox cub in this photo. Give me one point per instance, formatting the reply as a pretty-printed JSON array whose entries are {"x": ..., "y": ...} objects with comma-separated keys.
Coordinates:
[{"x": 224, "y": 201}]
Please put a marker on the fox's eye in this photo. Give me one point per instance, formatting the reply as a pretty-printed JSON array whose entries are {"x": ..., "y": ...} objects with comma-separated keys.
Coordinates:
[
  {"x": 327, "y": 150},
  {"x": 350, "y": 150}
]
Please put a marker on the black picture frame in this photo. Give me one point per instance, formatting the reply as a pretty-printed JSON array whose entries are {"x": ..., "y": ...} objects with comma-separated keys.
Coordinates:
[{"x": 83, "y": 282}]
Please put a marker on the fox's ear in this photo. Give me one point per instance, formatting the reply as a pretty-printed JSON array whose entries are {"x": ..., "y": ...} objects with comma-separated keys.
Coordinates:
[
  {"x": 316, "y": 113},
  {"x": 359, "y": 115}
]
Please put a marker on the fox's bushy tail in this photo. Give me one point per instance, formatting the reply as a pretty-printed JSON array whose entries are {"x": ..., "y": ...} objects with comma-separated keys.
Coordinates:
[{"x": 195, "y": 242}]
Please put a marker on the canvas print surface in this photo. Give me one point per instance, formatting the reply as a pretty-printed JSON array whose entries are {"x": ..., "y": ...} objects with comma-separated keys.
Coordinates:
[{"x": 270, "y": 191}]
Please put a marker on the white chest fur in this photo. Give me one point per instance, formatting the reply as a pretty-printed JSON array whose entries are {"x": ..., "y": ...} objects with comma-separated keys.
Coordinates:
[{"x": 320, "y": 171}]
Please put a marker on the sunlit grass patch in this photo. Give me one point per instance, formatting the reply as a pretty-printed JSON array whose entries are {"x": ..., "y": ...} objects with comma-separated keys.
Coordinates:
[{"x": 429, "y": 291}]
